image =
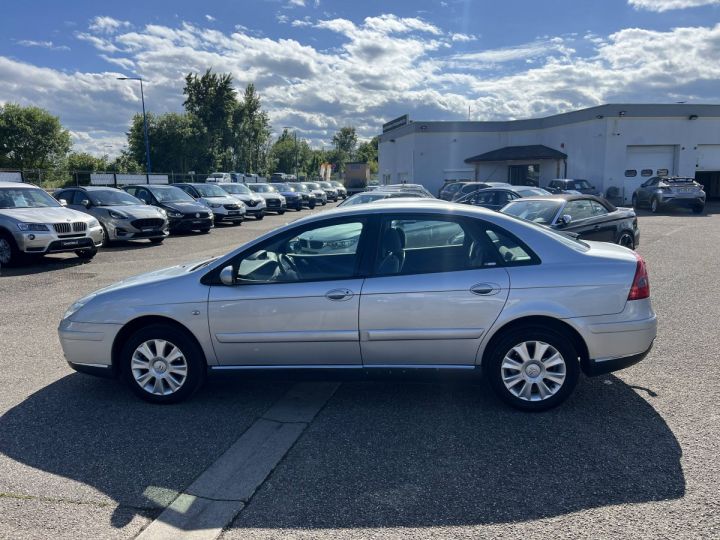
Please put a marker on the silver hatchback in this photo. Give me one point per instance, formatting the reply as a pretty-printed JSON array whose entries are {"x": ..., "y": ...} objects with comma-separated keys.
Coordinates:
[{"x": 414, "y": 284}]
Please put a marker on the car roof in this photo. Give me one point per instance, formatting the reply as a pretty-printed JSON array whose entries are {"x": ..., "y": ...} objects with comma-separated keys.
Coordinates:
[
  {"x": 568, "y": 197},
  {"x": 6, "y": 184}
]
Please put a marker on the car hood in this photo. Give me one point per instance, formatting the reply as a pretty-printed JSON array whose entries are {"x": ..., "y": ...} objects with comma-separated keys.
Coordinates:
[
  {"x": 135, "y": 210},
  {"x": 185, "y": 207},
  {"x": 219, "y": 200},
  {"x": 270, "y": 195},
  {"x": 45, "y": 215}
]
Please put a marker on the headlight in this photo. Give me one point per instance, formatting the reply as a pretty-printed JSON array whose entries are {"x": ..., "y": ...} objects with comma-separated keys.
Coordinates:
[
  {"x": 77, "y": 306},
  {"x": 117, "y": 215},
  {"x": 162, "y": 212},
  {"x": 282, "y": 199},
  {"x": 175, "y": 214},
  {"x": 36, "y": 227},
  {"x": 93, "y": 223},
  {"x": 214, "y": 205}
]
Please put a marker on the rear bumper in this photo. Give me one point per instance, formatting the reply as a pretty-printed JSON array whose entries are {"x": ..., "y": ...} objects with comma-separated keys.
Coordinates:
[
  {"x": 682, "y": 202},
  {"x": 608, "y": 365}
]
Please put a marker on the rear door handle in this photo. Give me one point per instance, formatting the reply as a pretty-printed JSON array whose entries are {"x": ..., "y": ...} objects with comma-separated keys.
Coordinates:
[
  {"x": 339, "y": 294},
  {"x": 485, "y": 289}
]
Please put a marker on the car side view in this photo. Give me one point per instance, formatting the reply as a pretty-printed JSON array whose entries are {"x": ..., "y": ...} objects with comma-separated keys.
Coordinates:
[
  {"x": 663, "y": 192},
  {"x": 410, "y": 284},
  {"x": 587, "y": 216},
  {"x": 496, "y": 198}
]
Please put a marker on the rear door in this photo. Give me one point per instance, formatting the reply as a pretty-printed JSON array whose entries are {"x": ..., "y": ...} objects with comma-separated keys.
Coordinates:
[{"x": 436, "y": 288}]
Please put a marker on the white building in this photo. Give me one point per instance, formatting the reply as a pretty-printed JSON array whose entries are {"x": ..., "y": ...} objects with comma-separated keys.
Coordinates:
[{"x": 609, "y": 145}]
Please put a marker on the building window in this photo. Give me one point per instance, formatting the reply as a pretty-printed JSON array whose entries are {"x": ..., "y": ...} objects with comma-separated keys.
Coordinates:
[
  {"x": 662, "y": 172},
  {"x": 646, "y": 172},
  {"x": 524, "y": 175},
  {"x": 387, "y": 179},
  {"x": 630, "y": 173},
  {"x": 403, "y": 177}
]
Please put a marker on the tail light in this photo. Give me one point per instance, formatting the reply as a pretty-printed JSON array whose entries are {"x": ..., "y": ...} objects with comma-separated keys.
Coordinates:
[{"x": 641, "y": 282}]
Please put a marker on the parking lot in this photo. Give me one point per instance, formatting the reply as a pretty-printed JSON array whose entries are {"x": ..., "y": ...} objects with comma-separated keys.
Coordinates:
[{"x": 400, "y": 455}]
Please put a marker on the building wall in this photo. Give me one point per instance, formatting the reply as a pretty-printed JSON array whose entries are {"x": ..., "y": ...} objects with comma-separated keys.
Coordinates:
[{"x": 597, "y": 149}]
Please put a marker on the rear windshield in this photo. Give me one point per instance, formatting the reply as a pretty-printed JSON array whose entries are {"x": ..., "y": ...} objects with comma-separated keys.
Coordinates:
[
  {"x": 678, "y": 180},
  {"x": 582, "y": 184}
]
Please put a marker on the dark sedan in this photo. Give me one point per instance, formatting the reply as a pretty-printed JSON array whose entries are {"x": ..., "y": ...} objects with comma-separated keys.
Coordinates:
[
  {"x": 496, "y": 198},
  {"x": 184, "y": 212},
  {"x": 293, "y": 197},
  {"x": 587, "y": 216},
  {"x": 572, "y": 185}
]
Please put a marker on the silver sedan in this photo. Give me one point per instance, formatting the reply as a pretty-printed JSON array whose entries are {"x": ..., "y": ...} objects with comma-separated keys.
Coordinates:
[{"x": 414, "y": 284}]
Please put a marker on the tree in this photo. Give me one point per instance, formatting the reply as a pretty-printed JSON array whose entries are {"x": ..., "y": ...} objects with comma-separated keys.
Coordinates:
[
  {"x": 368, "y": 152},
  {"x": 251, "y": 132},
  {"x": 344, "y": 142},
  {"x": 124, "y": 163},
  {"x": 31, "y": 138},
  {"x": 82, "y": 161},
  {"x": 284, "y": 153}
]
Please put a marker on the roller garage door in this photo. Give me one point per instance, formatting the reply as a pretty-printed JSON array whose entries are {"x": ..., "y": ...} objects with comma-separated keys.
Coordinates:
[
  {"x": 642, "y": 162},
  {"x": 708, "y": 169}
]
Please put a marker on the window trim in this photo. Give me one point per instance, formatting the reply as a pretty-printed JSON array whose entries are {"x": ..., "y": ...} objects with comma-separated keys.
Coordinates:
[
  {"x": 212, "y": 278},
  {"x": 469, "y": 222}
]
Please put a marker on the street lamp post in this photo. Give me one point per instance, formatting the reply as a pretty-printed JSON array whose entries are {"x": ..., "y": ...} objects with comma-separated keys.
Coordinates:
[{"x": 145, "y": 129}]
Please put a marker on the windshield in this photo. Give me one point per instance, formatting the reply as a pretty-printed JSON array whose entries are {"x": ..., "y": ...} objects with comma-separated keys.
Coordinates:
[
  {"x": 313, "y": 185},
  {"x": 542, "y": 212},
  {"x": 263, "y": 188},
  {"x": 284, "y": 187},
  {"x": 336, "y": 183},
  {"x": 210, "y": 190},
  {"x": 529, "y": 192},
  {"x": 325, "y": 184},
  {"x": 300, "y": 187},
  {"x": 235, "y": 189},
  {"x": 112, "y": 197},
  {"x": 26, "y": 198},
  {"x": 170, "y": 194},
  {"x": 582, "y": 184}
]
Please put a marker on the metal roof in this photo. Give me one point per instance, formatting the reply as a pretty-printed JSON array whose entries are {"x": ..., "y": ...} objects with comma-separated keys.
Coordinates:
[{"x": 512, "y": 153}]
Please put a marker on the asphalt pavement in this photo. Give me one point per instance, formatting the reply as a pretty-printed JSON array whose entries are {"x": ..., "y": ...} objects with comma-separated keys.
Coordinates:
[{"x": 633, "y": 454}]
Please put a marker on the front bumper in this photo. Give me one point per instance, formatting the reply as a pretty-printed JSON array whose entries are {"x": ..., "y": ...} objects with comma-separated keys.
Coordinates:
[
  {"x": 190, "y": 224},
  {"x": 228, "y": 217},
  {"x": 50, "y": 242},
  {"x": 88, "y": 346},
  {"x": 275, "y": 205}
]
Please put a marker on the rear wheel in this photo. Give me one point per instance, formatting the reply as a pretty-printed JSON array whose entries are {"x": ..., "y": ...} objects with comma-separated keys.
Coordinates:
[
  {"x": 626, "y": 239},
  {"x": 534, "y": 368},
  {"x": 162, "y": 364},
  {"x": 10, "y": 255},
  {"x": 635, "y": 202},
  {"x": 654, "y": 205}
]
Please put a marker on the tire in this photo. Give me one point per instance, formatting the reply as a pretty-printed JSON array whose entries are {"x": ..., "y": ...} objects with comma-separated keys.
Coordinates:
[
  {"x": 86, "y": 254},
  {"x": 519, "y": 395},
  {"x": 654, "y": 205},
  {"x": 635, "y": 204},
  {"x": 626, "y": 239},
  {"x": 156, "y": 240},
  {"x": 312, "y": 205},
  {"x": 10, "y": 255},
  {"x": 106, "y": 242},
  {"x": 137, "y": 368},
  {"x": 259, "y": 216},
  {"x": 281, "y": 212},
  {"x": 698, "y": 209}
]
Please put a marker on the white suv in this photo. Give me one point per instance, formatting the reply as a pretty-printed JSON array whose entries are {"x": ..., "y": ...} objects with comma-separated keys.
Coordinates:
[{"x": 33, "y": 223}]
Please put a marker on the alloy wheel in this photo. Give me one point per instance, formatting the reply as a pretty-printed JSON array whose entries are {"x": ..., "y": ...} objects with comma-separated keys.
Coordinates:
[
  {"x": 626, "y": 240},
  {"x": 533, "y": 371},
  {"x": 159, "y": 367}
]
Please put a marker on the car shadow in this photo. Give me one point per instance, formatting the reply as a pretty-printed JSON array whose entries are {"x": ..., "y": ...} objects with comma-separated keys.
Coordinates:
[
  {"x": 41, "y": 265},
  {"x": 387, "y": 451},
  {"x": 711, "y": 208}
]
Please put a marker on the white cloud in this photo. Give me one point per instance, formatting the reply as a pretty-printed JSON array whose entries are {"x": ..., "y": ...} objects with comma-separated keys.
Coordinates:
[
  {"x": 107, "y": 25},
  {"x": 383, "y": 66},
  {"x": 300, "y": 23},
  {"x": 667, "y": 5},
  {"x": 210, "y": 18},
  {"x": 463, "y": 37},
  {"x": 296, "y": 3},
  {"x": 43, "y": 45}
]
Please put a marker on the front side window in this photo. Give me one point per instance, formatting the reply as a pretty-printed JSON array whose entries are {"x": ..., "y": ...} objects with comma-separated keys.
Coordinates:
[
  {"x": 578, "y": 209},
  {"x": 322, "y": 253},
  {"x": 598, "y": 209},
  {"x": 582, "y": 184}
]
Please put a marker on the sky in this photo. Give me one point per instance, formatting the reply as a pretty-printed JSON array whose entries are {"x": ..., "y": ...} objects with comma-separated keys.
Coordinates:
[{"x": 319, "y": 65}]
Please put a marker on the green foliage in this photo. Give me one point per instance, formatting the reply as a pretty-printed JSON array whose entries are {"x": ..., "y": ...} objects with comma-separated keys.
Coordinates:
[
  {"x": 367, "y": 152},
  {"x": 82, "y": 161},
  {"x": 31, "y": 138},
  {"x": 344, "y": 143}
]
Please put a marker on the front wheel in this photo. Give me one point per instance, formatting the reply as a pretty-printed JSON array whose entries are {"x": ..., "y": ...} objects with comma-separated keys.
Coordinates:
[
  {"x": 162, "y": 364},
  {"x": 654, "y": 205},
  {"x": 281, "y": 212},
  {"x": 259, "y": 215},
  {"x": 86, "y": 254},
  {"x": 311, "y": 205},
  {"x": 698, "y": 209},
  {"x": 10, "y": 255},
  {"x": 635, "y": 202},
  {"x": 534, "y": 368}
]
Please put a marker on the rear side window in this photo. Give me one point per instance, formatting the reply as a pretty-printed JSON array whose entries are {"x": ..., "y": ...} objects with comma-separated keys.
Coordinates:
[{"x": 510, "y": 251}]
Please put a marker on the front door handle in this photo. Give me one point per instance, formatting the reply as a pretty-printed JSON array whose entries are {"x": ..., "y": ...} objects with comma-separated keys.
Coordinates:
[
  {"x": 485, "y": 289},
  {"x": 339, "y": 294}
]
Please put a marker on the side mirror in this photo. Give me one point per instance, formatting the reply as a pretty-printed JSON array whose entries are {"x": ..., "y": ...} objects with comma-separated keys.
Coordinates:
[
  {"x": 86, "y": 203},
  {"x": 227, "y": 276},
  {"x": 564, "y": 220},
  {"x": 63, "y": 202}
]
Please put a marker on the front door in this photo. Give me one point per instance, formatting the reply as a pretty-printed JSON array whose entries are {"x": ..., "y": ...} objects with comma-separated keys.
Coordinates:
[
  {"x": 437, "y": 287},
  {"x": 295, "y": 300}
]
